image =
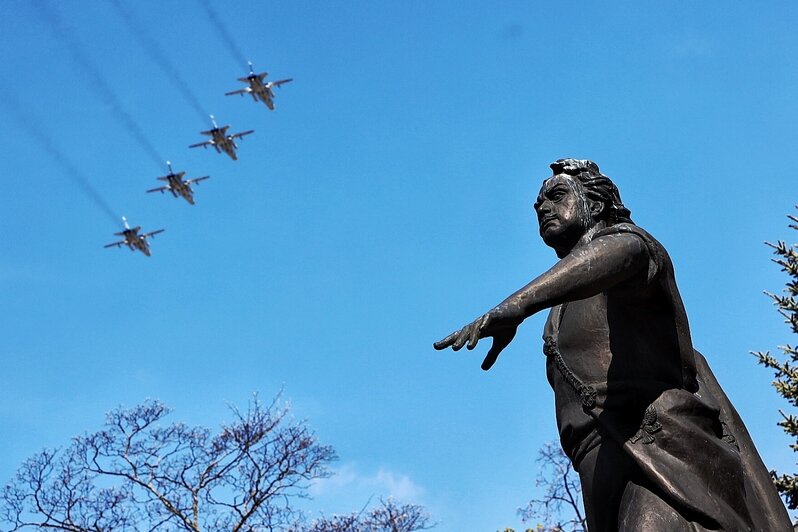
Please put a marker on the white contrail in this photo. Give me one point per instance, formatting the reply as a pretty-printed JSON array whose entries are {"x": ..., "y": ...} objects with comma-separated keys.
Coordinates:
[
  {"x": 97, "y": 81},
  {"x": 226, "y": 36},
  {"x": 140, "y": 33},
  {"x": 29, "y": 123}
]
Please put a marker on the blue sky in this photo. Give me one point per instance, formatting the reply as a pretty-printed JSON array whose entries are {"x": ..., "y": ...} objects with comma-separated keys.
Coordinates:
[{"x": 386, "y": 202}]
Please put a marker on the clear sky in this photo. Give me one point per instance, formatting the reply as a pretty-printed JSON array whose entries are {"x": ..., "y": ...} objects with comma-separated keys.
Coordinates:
[{"x": 386, "y": 202}]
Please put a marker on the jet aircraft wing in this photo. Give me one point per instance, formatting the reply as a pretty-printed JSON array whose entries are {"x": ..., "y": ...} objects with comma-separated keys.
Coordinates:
[
  {"x": 196, "y": 180},
  {"x": 239, "y": 135},
  {"x": 159, "y": 189},
  {"x": 241, "y": 92},
  {"x": 148, "y": 235},
  {"x": 281, "y": 82},
  {"x": 117, "y": 244},
  {"x": 203, "y": 144}
]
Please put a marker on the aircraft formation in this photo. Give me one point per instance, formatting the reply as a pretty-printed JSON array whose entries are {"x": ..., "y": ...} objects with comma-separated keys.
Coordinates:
[{"x": 220, "y": 140}]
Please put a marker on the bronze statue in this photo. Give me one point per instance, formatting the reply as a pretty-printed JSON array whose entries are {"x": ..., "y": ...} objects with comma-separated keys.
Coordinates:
[{"x": 656, "y": 442}]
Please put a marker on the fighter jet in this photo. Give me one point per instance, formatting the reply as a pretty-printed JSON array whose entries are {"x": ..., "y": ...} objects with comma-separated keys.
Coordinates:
[
  {"x": 177, "y": 186},
  {"x": 133, "y": 239},
  {"x": 258, "y": 89},
  {"x": 220, "y": 140}
]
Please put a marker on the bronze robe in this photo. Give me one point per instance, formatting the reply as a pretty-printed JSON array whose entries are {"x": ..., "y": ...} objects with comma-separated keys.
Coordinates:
[{"x": 628, "y": 381}]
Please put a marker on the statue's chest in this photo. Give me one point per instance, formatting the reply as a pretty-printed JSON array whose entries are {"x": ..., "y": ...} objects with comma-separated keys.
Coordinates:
[{"x": 580, "y": 326}]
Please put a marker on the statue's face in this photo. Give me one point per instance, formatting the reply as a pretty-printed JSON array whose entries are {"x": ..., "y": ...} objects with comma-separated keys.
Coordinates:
[{"x": 563, "y": 212}]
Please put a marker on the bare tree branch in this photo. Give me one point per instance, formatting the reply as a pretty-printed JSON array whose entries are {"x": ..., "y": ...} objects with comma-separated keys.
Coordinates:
[
  {"x": 140, "y": 473},
  {"x": 388, "y": 516},
  {"x": 560, "y": 509}
]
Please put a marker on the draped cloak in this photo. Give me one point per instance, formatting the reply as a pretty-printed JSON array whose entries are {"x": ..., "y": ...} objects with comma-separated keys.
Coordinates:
[{"x": 624, "y": 372}]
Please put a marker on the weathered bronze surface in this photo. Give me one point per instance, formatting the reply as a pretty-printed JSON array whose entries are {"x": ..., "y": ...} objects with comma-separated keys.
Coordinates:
[{"x": 656, "y": 442}]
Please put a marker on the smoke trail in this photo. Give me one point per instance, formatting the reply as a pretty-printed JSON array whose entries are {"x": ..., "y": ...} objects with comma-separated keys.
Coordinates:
[
  {"x": 234, "y": 50},
  {"x": 97, "y": 80},
  {"x": 35, "y": 130},
  {"x": 157, "y": 55}
]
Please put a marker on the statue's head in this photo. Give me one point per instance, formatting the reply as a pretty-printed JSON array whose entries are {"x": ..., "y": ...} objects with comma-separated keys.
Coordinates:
[{"x": 574, "y": 200}]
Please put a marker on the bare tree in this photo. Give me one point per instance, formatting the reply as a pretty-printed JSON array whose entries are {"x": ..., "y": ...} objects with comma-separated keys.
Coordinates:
[
  {"x": 138, "y": 473},
  {"x": 560, "y": 509},
  {"x": 388, "y": 516}
]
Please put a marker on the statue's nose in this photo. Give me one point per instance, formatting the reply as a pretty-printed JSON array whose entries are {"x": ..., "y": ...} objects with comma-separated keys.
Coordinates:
[{"x": 542, "y": 208}]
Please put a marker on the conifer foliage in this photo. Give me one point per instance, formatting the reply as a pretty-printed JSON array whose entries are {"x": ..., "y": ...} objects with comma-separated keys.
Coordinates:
[{"x": 785, "y": 366}]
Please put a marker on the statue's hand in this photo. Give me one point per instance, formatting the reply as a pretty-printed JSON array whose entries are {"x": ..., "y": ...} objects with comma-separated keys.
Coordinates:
[{"x": 500, "y": 323}]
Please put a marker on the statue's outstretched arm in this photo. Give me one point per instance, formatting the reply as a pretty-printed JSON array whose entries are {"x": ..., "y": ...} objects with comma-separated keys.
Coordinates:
[{"x": 588, "y": 270}]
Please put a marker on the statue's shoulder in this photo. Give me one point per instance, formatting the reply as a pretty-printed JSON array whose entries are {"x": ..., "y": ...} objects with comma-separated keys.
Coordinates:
[
  {"x": 658, "y": 256},
  {"x": 625, "y": 228}
]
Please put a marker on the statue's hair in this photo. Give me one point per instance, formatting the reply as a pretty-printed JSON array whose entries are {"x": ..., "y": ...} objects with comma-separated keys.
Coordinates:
[{"x": 597, "y": 186}]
